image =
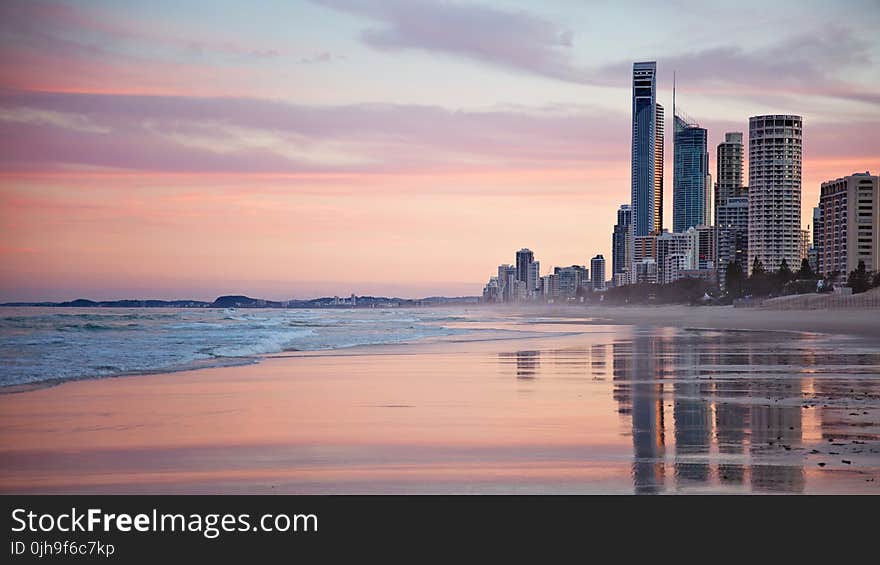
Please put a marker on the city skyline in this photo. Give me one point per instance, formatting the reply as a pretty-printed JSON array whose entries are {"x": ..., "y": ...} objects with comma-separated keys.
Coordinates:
[{"x": 150, "y": 153}]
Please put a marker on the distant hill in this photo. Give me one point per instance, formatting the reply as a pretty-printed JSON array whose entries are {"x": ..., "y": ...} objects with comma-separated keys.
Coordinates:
[
  {"x": 238, "y": 301},
  {"x": 130, "y": 303},
  {"x": 242, "y": 301}
]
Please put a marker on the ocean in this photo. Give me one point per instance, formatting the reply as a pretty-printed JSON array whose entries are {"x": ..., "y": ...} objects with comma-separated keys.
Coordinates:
[{"x": 47, "y": 345}]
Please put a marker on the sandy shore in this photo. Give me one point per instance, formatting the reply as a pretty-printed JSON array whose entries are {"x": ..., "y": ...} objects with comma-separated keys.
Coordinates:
[
  {"x": 864, "y": 323},
  {"x": 586, "y": 408}
]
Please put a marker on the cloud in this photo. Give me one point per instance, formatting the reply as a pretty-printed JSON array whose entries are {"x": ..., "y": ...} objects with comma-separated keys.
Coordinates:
[
  {"x": 192, "y": 134},
  {"x": 52, "y": 26},
  {"x": 515, "y": 40},
  {"x": 803, "y": 65},
  {"x": 810, "y": 63},
  {"x": 323, "y": 57},
  {"x": 182, "y": 134}
]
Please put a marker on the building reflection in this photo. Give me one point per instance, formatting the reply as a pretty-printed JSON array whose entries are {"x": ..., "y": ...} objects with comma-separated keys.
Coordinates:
[
  {"x": 526, "y": 363},
  {"x": 598, "y": 360},
  {"x": 691, "y": 412},
  {"x": 775, "y": 425},
  {"x": 743, "y": 407},
  {"x": 721, "y": 435},
  {"x": 639, "y": 388}
]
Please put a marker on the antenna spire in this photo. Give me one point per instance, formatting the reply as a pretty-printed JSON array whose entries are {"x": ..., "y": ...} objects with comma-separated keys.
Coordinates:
[{"x": 673, "y": 95}]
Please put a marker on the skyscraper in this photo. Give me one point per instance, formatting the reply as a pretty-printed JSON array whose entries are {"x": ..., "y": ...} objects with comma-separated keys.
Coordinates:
[
  {"x": 644, "y": 182},
  {"x": 813, "y": 254},
  {"x": 732, "y": 222},
  {"x": 729, "y": 170},
  {"x": 775, "y": 190},
  {"x": 620, "y": 241},
  {"x": 731, "y": 206},
  {"x": 658, "y": 169},
  {"x": 507, "y": 282},
  {"x": 850, "y": 210},
  {"x": 567, "y": 281},
  {"x": 690, "y": 173},
  {"x": 597, "y": 269},
  {"x": 524, "y": 258},
  {"x": 533, "y": 284}
]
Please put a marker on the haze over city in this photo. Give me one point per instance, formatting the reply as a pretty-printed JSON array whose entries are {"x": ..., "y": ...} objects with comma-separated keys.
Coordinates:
[{"x": 161, "y": 151}]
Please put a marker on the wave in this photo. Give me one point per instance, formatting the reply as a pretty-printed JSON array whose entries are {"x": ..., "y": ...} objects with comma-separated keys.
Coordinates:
[
  {"x": 268, "y": 344},
  {"x": 87, "y": 327},
  {"x": 48, "y": 345}
]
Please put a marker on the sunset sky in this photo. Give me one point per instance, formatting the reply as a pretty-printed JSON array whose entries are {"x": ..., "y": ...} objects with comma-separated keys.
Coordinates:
[{"x": 169, "y": 149}]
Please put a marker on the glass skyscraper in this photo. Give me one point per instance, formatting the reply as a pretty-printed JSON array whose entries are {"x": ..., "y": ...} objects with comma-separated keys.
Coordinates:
[
  {"x": 646, "y": 203},
  {"x": 524, "y": 258},
  {"x": 690, "y": 173},
  {"x": 620, "y": 241}
]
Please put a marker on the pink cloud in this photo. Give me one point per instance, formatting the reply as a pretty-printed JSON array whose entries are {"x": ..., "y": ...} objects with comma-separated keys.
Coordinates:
[{"x": 154, "y": 133}]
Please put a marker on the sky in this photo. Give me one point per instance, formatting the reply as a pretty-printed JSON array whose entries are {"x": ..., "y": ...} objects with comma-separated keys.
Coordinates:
[{"x": 172, "y": 149}]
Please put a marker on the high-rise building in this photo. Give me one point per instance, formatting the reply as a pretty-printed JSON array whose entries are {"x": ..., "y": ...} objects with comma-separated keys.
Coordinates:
[
  {"x": 686, "y": 254},
  {"x": 706, "y": 248},
  {"x": 492, "y": 291},
  {"x": 659, "y": 126},
  {"x": 597, "y": 268},
  {"x": 507, "y": 282},
  {"x": 620, "y": 241},
  {"x": 646, "y": 163},
  {"x": 733, "y": 235},
  {"x": 729, "y": 170},
  {"x": 567, "y": 281},
  {"x": 805, "y": 247},
  {"x": 645, "y": 271},
  {"x": 674, "y": 253},
  {"x": 708, "y": 200},
  {"x": 533, "y": 280},
  {"x": 813, "y": 253},
  {"x": 690, "y": 174},
  {"x": 850, "y": 225},
  {"x": 524, "y": 257},
  {"x": 775, "y": 190}
]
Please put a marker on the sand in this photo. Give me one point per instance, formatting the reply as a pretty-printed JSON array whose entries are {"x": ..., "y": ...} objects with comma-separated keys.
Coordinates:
[
  {"x": 593, "y": 406},
  {"x": 845, "y": 321}
]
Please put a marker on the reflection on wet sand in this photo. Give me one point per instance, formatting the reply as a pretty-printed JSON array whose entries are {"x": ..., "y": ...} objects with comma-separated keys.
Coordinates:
[
  {"x": 737, "y": 404},
  {"x": 614, "y": 409},
  {"x": 526, "y": 362}
]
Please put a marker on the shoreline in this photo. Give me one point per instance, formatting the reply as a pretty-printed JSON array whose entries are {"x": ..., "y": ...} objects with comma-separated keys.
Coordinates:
[
  {"x": 859, "y": 323},
  {"x": 561, "y": 413},
  {"x": 843, "y": 322}
]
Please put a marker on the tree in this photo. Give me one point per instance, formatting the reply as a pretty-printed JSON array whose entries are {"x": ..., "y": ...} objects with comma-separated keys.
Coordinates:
[
  {"x": 757, "y": 267},
  {"x": 876, "y": 281},
  {"x": 806, "y": 271},
  {"x": 734, "y": 280},
  {"x": 784, "y": 274},
  {"x": 759, "y": 283},
  {"x": 858, "y": 279}
]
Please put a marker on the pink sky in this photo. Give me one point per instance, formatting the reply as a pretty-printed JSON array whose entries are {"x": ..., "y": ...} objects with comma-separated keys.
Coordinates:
[{"x": 397, "y": 148}]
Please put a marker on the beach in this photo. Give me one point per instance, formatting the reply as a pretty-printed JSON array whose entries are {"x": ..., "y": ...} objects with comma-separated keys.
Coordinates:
[
  {"x": 850, "y": 321},
  {"x": 545, "y": 401}
]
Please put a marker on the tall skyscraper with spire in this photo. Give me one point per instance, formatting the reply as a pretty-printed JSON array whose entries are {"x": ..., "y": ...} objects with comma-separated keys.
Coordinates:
[
  {"x": 691, "y": 201},
  {"x": 647, "y": 153}
]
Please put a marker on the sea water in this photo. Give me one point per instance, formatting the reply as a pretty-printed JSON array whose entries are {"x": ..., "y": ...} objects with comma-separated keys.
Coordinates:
[{"x": 51, "y": 344}]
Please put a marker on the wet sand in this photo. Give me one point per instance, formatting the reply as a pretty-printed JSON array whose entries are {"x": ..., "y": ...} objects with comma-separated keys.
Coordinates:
[
  {"x": 585, "y": 409},
  {"x": 862, "y": 322}
]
